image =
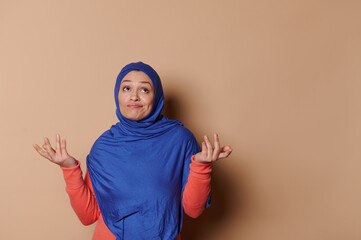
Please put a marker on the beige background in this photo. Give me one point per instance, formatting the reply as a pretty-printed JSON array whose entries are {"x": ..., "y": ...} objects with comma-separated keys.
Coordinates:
[{"x": 278, "y": 80}]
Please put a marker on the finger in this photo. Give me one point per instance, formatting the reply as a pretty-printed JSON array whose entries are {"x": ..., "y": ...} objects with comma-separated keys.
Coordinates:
[
  {"x": 63, "y": 147},
  {"x": 209, "y": 147},
  {"x": 47, "y": 142},
  {"x": 217, "y": 148},
  {"x": 45, "y": 148},
  {"x": 38, "y": 149},
  {"x": 48, "y": 148},
  {"x": 226, "y": 151},
  {"x": 41, "y": 151},
  {"x": 203, "y": 153},
  {"x": 58, "y": 147},
  {"x": 204, "y": 148}
]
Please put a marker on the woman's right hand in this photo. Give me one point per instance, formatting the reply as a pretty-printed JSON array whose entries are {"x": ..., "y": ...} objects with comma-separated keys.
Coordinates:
[{"x": 59, "y": 155}]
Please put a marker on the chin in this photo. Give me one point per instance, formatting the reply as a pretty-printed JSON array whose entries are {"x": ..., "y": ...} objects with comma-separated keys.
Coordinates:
[
  {"x": 134, "y": 118},
  {"x": 134, "y": 115}
]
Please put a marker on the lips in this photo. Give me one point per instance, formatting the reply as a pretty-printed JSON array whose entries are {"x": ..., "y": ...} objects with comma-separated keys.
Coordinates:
[{"x": 134, "y": 106}]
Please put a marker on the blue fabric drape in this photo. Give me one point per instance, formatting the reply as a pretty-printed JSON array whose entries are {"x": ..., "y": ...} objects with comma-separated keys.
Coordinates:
[{"x": 138, "y": 170}]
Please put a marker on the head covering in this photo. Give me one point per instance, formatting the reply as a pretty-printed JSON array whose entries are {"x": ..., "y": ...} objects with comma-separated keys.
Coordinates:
[
  {"x": 138, "y": 169},
  {"x": 155, "y": 123}
]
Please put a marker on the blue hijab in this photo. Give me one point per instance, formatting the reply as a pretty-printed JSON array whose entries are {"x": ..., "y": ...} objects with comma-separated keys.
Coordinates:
[{"x": 138, "y": 169}]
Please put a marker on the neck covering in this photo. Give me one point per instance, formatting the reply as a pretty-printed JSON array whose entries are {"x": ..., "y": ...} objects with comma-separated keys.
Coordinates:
[{"x": 138, "y": 169}]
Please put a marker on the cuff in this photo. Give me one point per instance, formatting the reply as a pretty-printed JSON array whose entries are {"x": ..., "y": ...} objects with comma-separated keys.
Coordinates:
[
  {"x": 200, "y": 170},
  {"x": 73, "y": 176}
]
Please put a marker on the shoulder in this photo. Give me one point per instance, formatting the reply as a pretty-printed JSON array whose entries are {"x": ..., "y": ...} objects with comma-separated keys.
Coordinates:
[
  {"x": 182, "y": 132},
  {"x": 184, "y": 137},
  {"x": 104, "y": 138}
]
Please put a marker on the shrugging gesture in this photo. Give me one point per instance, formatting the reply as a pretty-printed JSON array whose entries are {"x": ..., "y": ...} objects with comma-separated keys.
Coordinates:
[
  {"x": 59, "y": 155},
  {"x": 210, "y": 154}
]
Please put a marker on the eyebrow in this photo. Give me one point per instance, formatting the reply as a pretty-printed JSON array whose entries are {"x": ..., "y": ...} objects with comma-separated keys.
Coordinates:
[{"x": 132, "y": 81}]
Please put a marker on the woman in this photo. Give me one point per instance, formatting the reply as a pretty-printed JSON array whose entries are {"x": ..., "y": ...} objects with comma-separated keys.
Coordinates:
[{"x": 142, "y": 172}]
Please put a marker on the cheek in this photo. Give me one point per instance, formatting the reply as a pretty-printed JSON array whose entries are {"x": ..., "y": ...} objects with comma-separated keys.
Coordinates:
[
  {"x": 150, "y": 100},
  {"x": 121, "y": 100}
]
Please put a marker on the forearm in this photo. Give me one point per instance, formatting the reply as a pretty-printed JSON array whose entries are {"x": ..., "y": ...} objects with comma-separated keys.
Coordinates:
[
  {"x": 197, "y": 189},
  {"x": 81, "y": 196}
]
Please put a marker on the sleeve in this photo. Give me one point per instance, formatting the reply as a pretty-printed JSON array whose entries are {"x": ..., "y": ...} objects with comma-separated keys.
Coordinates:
[
  {"x": 81, "y": 194},
  {"x": 196, "y": 182},
  {"x": 196, "y": 194}
]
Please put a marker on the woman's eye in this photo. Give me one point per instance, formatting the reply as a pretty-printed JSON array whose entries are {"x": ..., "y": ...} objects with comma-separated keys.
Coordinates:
[
  {"x": 145, "y": 90},
  {"x": 126, "y": 89}
]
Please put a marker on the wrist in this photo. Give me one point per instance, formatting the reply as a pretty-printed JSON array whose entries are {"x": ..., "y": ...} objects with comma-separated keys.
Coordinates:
[
  {"x": 197, "y": 161},
  {"x": 69, "y": 163}
]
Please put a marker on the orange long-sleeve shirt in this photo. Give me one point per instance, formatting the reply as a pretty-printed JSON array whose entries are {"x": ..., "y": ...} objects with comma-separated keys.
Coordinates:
[{"x": 84, "y": 203}]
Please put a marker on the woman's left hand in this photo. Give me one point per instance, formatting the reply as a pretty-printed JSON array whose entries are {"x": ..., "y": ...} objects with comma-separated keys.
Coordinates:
[{"x": 210, "y": 154}]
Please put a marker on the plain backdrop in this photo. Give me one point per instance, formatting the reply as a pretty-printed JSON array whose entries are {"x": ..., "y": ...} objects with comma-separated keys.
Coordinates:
[{"x": 278, "y": 80}]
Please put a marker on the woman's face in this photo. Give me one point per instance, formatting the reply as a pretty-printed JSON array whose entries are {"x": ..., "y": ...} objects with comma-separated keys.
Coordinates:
[{"x": 136, "y": 95}]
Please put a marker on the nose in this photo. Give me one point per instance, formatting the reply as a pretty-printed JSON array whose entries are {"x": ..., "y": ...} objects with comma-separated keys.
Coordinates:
[{"x": 134, "y": 96}]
